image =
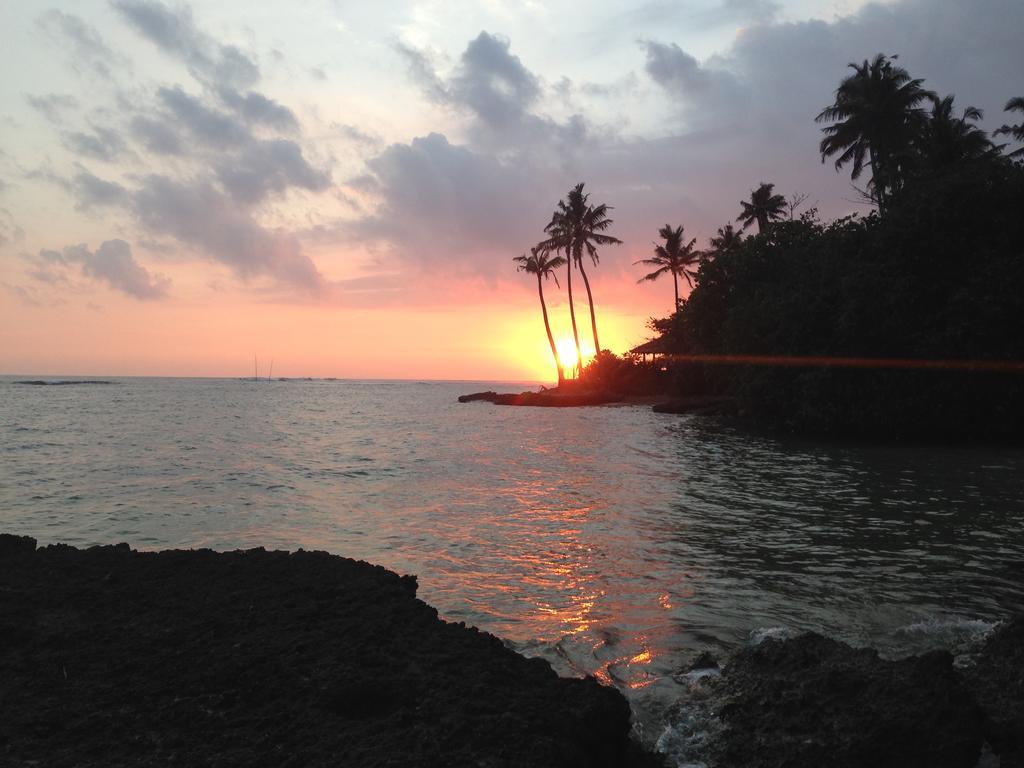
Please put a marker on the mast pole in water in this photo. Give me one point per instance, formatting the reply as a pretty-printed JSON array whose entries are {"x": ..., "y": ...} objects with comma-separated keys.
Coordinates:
[{"x": 271, "y": 374}]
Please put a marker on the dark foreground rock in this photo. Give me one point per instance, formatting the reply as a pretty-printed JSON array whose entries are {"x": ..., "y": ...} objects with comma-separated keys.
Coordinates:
[
  {"x": 811, "y": 701},
  {"x": 111, "y": 657},
  {"x": 997, "y": 682}
]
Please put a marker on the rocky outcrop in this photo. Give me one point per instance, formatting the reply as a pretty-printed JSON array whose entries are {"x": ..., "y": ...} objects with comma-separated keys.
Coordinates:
[
  {"x": 813, "y": 702},
  {"x": 112, "y": 657},
  {"x": 997, "y": 681}
]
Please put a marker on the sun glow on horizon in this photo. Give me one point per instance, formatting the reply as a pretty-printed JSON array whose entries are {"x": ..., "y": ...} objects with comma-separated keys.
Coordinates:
[{"x": 566, "y": 349}]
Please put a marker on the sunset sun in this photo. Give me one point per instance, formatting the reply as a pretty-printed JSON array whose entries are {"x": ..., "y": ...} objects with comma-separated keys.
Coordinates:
[{"x": 566, "y": 351}]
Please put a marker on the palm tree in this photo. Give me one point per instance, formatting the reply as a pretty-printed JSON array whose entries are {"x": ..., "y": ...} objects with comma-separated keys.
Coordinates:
[
  {"x": 875, "y": 118},
  {"x": 560, "y": 238},
  {"x": 672, "y": 258},
  {"x": 578, "y": 226},
  {"x": 726, "y": 239},
  {"x": 1016, "y": 131},
  {"x": 947, "y": 139},
  {"x": 764, "y": 208},
  {"x": 543, "y": 265}
]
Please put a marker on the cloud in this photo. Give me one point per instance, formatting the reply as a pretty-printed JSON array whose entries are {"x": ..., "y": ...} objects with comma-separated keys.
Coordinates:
[
  {"x": 495, "y": 87},
  {"x": 10, "y": 232},
  {"x": 212, "y": 127},
  {"x": 157, "y": 136},
  {"x": 725, "y": 12},
  {"x": 257, "y": 108},
  {"x": 92, "y": 191},
  {"x": 85, "y": 48},
  {"x": 442, "y": 203},
  {"x": 197, "y": 214},
  {"x": 175, "y": 33},
  {"x": 269, "y": 166},
  {"x": 52, "y": 106},
  {"x": 422, "y": 73},
  {"x": 102, "y": 144},
  {"x": 112, "y": 263},
  {"x": 493, "y": 82},
  {"x": 674, "y": 69}
]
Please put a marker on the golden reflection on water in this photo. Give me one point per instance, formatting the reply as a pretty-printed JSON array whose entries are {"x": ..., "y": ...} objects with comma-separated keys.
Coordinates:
[{"x": 572, "y": 581}]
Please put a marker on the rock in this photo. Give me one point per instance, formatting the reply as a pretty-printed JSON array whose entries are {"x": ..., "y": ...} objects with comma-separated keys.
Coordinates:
[
  {"x": 997, "y": 683},
  {"x": 16, "y": 545},
  {"x": 813, "y": 702},
  {"x": 478, "y": 396},
  {"x": 201, "y": 658},
  {"x": 705, "y": 660}
]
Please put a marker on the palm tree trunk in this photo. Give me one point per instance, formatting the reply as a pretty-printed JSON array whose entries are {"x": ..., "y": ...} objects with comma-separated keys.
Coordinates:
[
  {"x": 547, "y": 327},
  {"x": 877, "y": 178},
  {"x": 590, "y": 299},
  {"x": 675, "y": 284},
  {"x": 572, "y": 311},
  {"x": 762, "y": 221}
]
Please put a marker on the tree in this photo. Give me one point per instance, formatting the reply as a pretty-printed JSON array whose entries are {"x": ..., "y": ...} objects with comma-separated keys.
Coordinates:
[
  {"x": 559, "y": 234},
  {"x": 726, "y": 239},
  {"x": 672, "y": 258},
  {"x": 543, "y": 265},
  {"x": 946, "y": 139},
  {"x": 579, "y": 227},
  {"x": 1016, "y": 131},
  {"x": 876, "y": 117},
  {"x": 764, "y": 208}
]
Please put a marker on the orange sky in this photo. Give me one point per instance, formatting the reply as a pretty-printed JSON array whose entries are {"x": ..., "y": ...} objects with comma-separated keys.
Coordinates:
[
  {"x": 341, "y": 187},
  {"x": 493, "y": 333}
]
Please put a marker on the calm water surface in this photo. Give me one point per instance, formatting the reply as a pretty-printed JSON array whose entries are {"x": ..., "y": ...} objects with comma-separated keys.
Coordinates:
[{"x": 612, "y": 541}]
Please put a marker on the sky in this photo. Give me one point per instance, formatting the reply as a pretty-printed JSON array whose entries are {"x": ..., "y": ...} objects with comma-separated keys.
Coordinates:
[{"x": 340, "y": 187}]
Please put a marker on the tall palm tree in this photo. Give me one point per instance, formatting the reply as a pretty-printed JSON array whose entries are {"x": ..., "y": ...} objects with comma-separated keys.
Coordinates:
[
  {"x": 726, "y": 239},
  {"x": 542, "y": 264},
  {"x": 579, "y": 227},
  {"x": 947, "y": 139},
  {"x": 875, "y": 118},
  {"x": 672, "y": 258},
  {"x": 764, "y": 208},
  {"x": 560, "y": 237},
  {"x": 1016, "y": 131}
]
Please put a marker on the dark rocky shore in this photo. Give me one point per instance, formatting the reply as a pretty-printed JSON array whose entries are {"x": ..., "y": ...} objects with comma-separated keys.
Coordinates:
[
  {"x": 112, "y": 657},
  {"x": 811, "y": 701}
]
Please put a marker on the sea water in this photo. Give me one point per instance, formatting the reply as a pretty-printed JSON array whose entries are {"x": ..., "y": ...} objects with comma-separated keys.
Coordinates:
[{"x": 612, "y": 541}]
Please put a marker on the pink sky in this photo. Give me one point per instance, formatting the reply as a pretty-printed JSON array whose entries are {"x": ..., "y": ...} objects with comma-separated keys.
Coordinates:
[{"x": 342, "y": 188}]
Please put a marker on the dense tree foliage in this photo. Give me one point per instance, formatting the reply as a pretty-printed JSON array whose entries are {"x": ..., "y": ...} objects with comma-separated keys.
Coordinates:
[{"x": 939, "y": 277}]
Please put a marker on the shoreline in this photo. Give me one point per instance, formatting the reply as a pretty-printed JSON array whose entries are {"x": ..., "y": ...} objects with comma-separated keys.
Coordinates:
[
  {"x": 111, "y": 656},
  {"x": 582, "y": 398}
]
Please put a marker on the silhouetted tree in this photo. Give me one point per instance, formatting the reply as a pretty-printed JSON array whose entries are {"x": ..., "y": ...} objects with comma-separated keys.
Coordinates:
[
  {"x": 543, "y": 265},
  {"x": 560, "y": 237},
  {"x": 764, "y": 208},
  {"x": 1016, "y": 131},
  {"x": 946, "y": 139},
  {"x": 726, "y": 239},
  {"x": 876, "y": 117},
  {"x": 674, "y": 258},
  {"x": 579, "y": 227}
]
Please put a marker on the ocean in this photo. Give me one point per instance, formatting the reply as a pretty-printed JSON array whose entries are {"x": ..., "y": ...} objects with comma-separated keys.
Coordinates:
[{"x": 610, "y": 540}]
